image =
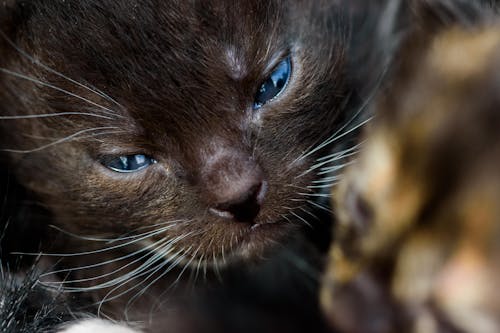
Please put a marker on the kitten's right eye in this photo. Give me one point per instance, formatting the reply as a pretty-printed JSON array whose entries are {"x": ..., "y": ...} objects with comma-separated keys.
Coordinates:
[{"x": 129, "y": 163}]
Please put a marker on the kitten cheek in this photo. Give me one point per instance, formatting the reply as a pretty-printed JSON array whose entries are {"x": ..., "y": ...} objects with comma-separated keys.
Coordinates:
[{"x": 97, "y": 326}]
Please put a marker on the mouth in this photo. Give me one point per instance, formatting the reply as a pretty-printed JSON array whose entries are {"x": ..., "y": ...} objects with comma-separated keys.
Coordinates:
[
  {"x": 261, "y": 242},
  {"x": 225, "y": 244},
  {"x": 255, "y": 243}
]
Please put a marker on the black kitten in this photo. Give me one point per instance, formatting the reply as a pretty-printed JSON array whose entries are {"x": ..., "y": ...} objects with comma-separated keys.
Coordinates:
[{"x": 169, "y": 140}]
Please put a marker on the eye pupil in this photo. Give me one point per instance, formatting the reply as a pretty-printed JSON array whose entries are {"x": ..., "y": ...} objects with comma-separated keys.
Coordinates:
[
  {"x": 129, "y": 163},
  {"x": 274, "y": 85},
  {"x": 280, "y": 83}
]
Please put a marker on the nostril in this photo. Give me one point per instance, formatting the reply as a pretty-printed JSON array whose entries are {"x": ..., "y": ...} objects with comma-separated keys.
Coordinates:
[{"x": 245, "y": 207}]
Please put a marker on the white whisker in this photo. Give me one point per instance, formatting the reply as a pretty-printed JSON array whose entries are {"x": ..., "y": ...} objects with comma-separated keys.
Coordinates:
[
  {"x": 103, "y": 263},
  {"x": 147, "y": 235},
  {"x": 122, "y": 279},
  {"x": 322, "y": 164},
  {"x": 327, "y": 179},
  {"x": 320, "y": 195},
  {"x": 57, "y": 114},
  {"x": 123, "y": 237},
  {"x": 328, "y": 170},
  {"x": 342, "y": 152},
  {"x": 309, "y": 213},
  {"x": 53, "y": 71},
  {"x": 301, "y": 218},
  {"x": 69, "y": 93},
  {"x": 172, "y": 265},
  {"x": 151, "y": 273},
  {"x": 65, "y": 139}
]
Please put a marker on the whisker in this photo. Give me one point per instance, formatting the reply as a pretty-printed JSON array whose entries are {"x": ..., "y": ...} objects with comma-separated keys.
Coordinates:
[
  {"x": 172, "y": 265},
  {"x": 176, "y": 222},
  {"x": 198, "y": 267},
  {"x": 339, "y": 133},
  {"x": 322, "y": 164},
  {"x": 335, "y": 138},
  {"x": 121, "y": 280},
  {"x": 327, "y": 179},
  {"x": 320, "y": 195},
  {"x": 309, "y": 213},
  {"x": 122, "y": 237},
  {"x": 193, "y": 274},
  {"x": 286, "y": 218},
  {"x": 158, "y": 304},
  {"x": 69, "y": 93},
  {"x": 53, "y": 71},
  {"x": 148, "y": 235},
  {"x": 301, "y": 218},
  {"x": 130, "y": 255},
  {"x": 57, "y": 114},
  {"x": 328, "y": 185},
  {"x": 151, "y": 272},
  {"x": 342, "y": 152},
  {"x": 144, "y": 269},
  {"x": 320, "y": 206},
  {"x": 65, "y": 139},
  {"x": 215, "y": 264},
  {"x": 329, "y": 170},
  {"x": 100, "y": 134}
]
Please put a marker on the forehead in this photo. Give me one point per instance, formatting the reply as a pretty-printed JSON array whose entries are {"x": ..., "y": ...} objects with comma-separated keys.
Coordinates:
[
  {"x": 180, "y": 53},
  {"x": 149, "y": 37},
  {"x": 159, "y": 50}
]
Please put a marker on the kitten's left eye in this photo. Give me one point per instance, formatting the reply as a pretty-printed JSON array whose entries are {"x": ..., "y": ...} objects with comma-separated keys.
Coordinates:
[
  {"x": 129, "y": 163},
  {"x": 274, "y": 85}
]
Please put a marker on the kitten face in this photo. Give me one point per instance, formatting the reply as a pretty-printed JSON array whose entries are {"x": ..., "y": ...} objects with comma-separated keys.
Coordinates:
[
  {"x": 180, "y": 95},
  {"x": 418, "y": 213}
]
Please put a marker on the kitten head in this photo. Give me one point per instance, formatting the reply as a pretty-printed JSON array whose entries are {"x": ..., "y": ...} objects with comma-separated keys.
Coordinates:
[{"x": 187, "y": 126}]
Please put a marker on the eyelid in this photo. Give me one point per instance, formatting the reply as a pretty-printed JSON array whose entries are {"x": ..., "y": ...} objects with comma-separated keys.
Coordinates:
[
  {"x": 275, "y": 61},
  {"x": 129, "y": 171}
]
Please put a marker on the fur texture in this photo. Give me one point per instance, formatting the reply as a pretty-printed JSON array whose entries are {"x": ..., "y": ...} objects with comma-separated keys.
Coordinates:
[{"x": 84, "y": 82}]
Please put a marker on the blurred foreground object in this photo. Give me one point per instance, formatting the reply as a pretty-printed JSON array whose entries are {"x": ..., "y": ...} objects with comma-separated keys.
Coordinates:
[{"x": 416, "y": 246}]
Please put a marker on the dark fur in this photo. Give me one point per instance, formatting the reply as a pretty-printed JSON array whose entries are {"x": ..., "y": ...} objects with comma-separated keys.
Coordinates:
[
  {"x": 183, "y": 102},
  {"x": 25, "y": 307}
]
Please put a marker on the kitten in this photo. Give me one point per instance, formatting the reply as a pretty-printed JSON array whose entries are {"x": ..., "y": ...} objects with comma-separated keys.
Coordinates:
[
  {"x": 415, "y": 247},
  {"x": 169, "y": 140}
]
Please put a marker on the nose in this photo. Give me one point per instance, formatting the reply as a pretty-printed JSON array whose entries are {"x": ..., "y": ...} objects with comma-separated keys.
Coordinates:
[
  {"x": 233, "y": 184},
  {"x": 241, "y": 201}
]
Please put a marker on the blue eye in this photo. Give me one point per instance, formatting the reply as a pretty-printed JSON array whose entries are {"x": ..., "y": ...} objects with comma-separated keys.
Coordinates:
[
  {"x": 274, "y": 85},
  {"x": 129, "y": 163}
]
